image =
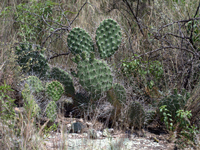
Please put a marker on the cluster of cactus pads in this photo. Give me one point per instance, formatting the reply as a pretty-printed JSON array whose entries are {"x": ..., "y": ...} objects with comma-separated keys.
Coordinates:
[
  {"x": 34, "y": 87},
  {"x": 94, "y": 74}
]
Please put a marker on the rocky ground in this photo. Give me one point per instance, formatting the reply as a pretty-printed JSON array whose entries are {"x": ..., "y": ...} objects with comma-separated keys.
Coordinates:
[{"x": 78, "y": 135}]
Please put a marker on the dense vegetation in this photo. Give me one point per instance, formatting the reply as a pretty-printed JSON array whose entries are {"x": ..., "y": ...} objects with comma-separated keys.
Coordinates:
[{"x": 73, "y": 57}]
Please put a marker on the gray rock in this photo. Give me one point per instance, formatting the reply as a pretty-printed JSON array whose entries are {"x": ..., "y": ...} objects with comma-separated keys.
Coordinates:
[{"x": 77, "y": 127}]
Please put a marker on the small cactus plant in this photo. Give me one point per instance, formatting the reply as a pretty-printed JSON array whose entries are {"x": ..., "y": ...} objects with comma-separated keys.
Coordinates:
[
  {"x": 30, "y": 103},
  {"x": 51, "y": 110},
  {"x": 94, "y": 75}
]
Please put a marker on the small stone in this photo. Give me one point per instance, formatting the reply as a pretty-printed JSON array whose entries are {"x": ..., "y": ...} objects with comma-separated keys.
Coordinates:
[
  {"x": 99, "y": 134},
  {"x": 69, "y": 127},
  {"x": 77, "y": 127}
]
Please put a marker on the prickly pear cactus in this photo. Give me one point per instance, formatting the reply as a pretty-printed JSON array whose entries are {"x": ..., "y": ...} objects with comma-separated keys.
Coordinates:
[
  {"x": 35, "y": 84},
  {"x": 51, "y": 110},
  {"x": 32, "y": 60},
  {"x": 108, "y": 38},
  {"x": 174, "y": 102},
  {"x": 29, "y": 101},
  {"x": 64, "y": 78},
  {"x": 136, "y": 115},
  {"x": 26, "y": 92},
  {"x": 79, "y": 41},
  {"x": 117, "y": 94},
  {"x": 33, "y": 107},
  {"x": 95, "y": 75},
  {"x": 54, "y": 90}
]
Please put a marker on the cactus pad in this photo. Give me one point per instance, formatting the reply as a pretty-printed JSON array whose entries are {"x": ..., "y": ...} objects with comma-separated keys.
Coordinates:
[
  {"x": 95, "y": 76},
  {"x": 64, "y": 78},
  {"x": 35, "y": 84},
  {"x": 55, "y": 90},
  {"x": 29, "y": 101},
  {"x": 108, "y": 38},
  {"x": 33, "y": 107},
  {"x": 31, "y": 60},
  {"x": 79, "y": 40},
  {"x": 51, "y": 110}
]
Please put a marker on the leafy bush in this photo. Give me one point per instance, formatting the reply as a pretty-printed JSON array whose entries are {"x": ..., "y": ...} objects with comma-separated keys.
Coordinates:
[{"x": 29, "y": 20}]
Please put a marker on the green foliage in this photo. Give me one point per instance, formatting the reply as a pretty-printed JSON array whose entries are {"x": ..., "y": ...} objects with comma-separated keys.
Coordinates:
[
  {"x": 193, "y": 26},
  {"x": 141, "y": 69},
  {"x": 181, "y": 119},
  {"x": 136, "y": 114},
  {"x": 47, "y": 129},
  {"x": 29, "y": 20},
  {"x": 7, "y": 105},
  {"x": 174, "y": 102},
  {"x": 167, "y": 117},
  {"x": 54, "y": 90},
  {"x": 108, "y": 38},
  {"x": 64, "y": 78},
  {"x": 51, "y": 110},
  {"x": 32, "y": 60}
]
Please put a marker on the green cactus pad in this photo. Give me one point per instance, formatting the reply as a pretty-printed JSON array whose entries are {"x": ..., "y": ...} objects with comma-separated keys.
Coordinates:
[
  {"x": 51, "y": 110},
  {"x": 29, "y": 101},
  {"x": 64, "y": 78},
  {"x": 32, "y": 60},
  {"x": 136, "y": 115},
  {"x": 108, "y": 38},
  {"x": 117, "y": 94},
  {"x": 35, "y": 84},
  {"x": 33, "y": 107},
  {"x": 95, "y": 76},
  {"x": 26, "y": 92},
  {"x": 79, "y": 41},
  {"x": 54, "y": 90}
]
